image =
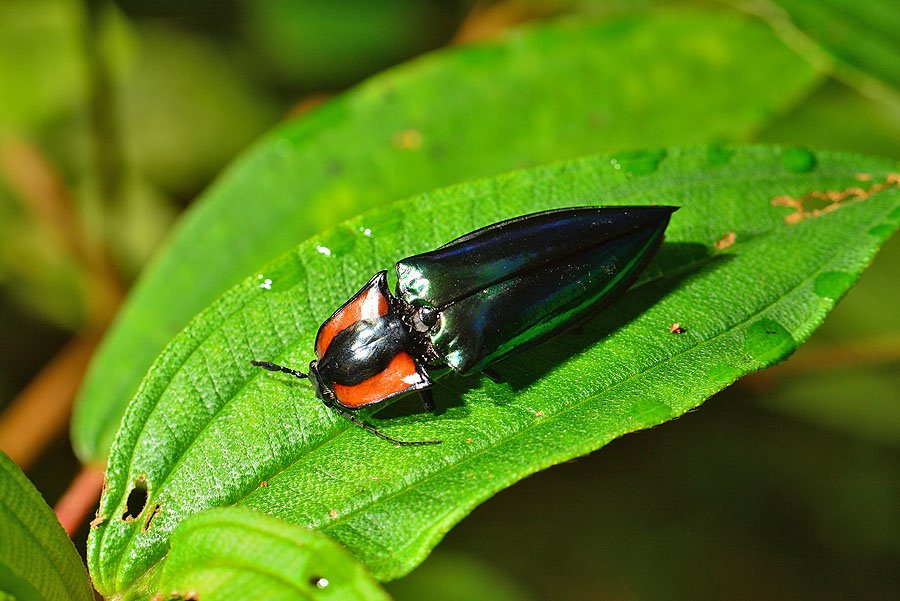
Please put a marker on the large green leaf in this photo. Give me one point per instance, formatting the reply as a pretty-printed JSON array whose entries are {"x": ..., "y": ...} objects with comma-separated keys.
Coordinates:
[
  {"x": 37, "y": 560},
  {"x": 859, "y": 36},
  {"x": 235, "y": 553},
  {"x": 855, "y": 123},
  {"x": 547, "y": 93},
  {"x": 41, "y": 75},
  {"x": 744, "y": 277}
]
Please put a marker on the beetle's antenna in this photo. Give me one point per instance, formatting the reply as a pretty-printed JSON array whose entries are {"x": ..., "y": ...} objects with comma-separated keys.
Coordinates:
[
  {"x": 330, "y": 403},
  {"x": 275, "y": 367},
  {"x": 373, "y": 430}
]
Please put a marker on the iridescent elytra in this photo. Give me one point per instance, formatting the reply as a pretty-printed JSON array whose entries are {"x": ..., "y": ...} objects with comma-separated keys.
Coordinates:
[{"x": 475, "y": 300}]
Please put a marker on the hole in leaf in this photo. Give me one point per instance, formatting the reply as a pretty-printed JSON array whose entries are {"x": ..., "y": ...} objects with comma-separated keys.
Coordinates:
[
  {"x": 319, "y": 582},
  {"x": 137, "y": 500}
]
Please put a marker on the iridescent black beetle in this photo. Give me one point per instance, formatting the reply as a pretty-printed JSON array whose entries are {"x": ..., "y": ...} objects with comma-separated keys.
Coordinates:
[{"x": 477, "y": 299}]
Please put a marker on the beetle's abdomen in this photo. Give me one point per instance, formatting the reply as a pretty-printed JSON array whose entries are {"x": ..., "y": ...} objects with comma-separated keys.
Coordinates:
[{"x": 513, "y": 284}]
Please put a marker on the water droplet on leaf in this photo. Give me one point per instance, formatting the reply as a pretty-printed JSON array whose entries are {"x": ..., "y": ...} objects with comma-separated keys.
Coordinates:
[
  {"x": 832, "y": 284},
  {"x": 768, "y": 341},
  {"x": 639, "y": 162},
  {"x": 798, "y": 160},
  {"x": 718, "y": 155},
  {"x": 883, "y": 230}
]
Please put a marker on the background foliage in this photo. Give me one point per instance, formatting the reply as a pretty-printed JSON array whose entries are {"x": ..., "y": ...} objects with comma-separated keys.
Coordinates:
[{"x": 115, "y": 116}]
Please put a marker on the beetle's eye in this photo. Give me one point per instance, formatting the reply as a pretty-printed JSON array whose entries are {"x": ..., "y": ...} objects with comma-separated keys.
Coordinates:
[{"x": 428, "y": 316}]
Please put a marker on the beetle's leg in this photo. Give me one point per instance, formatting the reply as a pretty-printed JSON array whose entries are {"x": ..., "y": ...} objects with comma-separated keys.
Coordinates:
[
  {"x": 275, "y": 367},
  {"x": 492, "y": 375},
  {"x": 347, "y": 415},
  {"x": 427, "y": 400}
]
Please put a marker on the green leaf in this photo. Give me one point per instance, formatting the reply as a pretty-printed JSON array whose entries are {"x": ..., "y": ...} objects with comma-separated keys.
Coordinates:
[
  {"x": 236, "y": 553},
  {"x": 207, "y": 429},
  {"x": 859, "y": 36},
  {"x": 37, "y": 559},
  {"x": 551, "y": 92},
  {"x": 319, "y": 44},
  {"x": 187, "y": 108},
  {"x": 856, "y": 123},
  {"x": 40, "y": 62},
  {"x": 448, "y": 576}
]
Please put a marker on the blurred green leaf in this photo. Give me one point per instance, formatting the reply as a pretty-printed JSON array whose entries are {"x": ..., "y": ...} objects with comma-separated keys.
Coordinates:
[
  {"x": 860, "y": 36},
  {"x": 861, "y": 401},
  {"x": 236, "y": 553},
  {"x": 839, "y": 117},
  {"x": 37, "y": 559},
  {"x": 186, "y": 109},
  {"x": 37, "y": 271},
  {"x": 457, "y": 577},
  {"x": 41, "y": 62},
  {"x": 137, "y": 223},
  {"x": 320, "y": 44},
  {"x": 551, "y": 92},
  {"x": 206, "y": 429}
]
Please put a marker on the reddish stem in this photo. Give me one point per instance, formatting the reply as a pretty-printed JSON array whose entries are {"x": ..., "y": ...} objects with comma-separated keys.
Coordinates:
[
  {"x": 80, "y": 498},
  {"x": 40, "y": 414}
]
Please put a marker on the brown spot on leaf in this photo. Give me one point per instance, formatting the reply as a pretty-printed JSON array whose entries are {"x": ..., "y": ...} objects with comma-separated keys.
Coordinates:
[
  {"x": 676, "y": 328},
  {"x": 408, "y": 139},
  {"x": 725, "y": 241},
  {"x": 820, "y": 202},
  {"x": 98, "y": 520},
  {"x": 308, "y": 103},
  {"x": 176, "y": 596},
  {"x": 539, "y": 413},
  {"x": 863, "y": 177},
  {"x": 264, "y": 484},
  {"x": 332, "y": 513}
]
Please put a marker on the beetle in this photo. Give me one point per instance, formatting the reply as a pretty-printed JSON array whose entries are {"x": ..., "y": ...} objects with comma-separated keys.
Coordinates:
[{"x": 475, "y": 300}]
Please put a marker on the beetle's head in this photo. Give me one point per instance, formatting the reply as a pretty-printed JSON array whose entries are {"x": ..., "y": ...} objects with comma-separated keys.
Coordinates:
[{"x": 322, "y": 390}]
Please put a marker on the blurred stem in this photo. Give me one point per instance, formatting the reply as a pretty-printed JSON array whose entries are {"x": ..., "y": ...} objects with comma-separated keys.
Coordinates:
[
  {"x": 308, "y": 104},
  {"x": 79, "y": 499},
  {"x": 48, "y": 201},
  {"x": 40, "y": 414},
  {"x": 43, "y": 194},
  {"x": 489, "y": 20},
  {"x": 102, "y": 106},
  {"x": 109, "y": 164},
  {"x": 811, "y": 49}
]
